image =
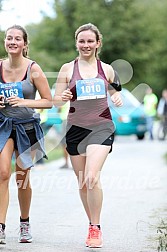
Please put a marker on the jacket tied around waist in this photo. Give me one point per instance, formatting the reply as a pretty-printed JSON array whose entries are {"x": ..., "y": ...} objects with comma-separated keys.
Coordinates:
[{"x": 7, "y": 124}]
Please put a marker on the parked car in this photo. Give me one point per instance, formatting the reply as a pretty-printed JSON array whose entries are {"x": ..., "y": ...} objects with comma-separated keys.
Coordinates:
[{"x": 130, "y": 119}]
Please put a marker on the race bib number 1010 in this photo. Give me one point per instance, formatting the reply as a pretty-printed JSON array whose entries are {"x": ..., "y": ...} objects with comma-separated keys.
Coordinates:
[{"x": 90, "y": 89}]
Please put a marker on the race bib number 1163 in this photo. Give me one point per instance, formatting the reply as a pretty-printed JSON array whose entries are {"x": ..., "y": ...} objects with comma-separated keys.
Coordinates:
[{"x": 11, "y": 89}]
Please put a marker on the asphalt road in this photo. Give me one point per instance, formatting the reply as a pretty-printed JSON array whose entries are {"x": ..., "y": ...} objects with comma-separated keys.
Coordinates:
[{"x": 134, "y": 183}]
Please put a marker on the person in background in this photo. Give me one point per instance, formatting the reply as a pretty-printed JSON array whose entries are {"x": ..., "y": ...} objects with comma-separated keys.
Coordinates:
[
  {"x": 85, "y": 82},
  {"x": 162, "y": 112},
  {"x": 150, "y": 106},
  {"x": 20, "y": 130},
  {"x": 63, "y": 111}
]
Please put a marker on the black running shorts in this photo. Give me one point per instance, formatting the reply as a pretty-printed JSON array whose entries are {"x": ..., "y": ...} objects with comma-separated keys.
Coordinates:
[
  {"x": 31, "y": 136},
  {"x": 78, "y": 138}
]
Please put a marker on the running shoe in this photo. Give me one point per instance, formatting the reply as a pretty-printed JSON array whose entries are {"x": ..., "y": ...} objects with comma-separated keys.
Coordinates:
[
  {"x": 95, "y": 237},
  {"x": 88, "y": 237},
  {"x": 25, "y": 233},
  {"x": 2, "y": 235}
]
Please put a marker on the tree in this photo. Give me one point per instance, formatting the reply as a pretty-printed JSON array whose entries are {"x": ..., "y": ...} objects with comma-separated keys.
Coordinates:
[
  {"x": 133, "y": 30},
  {"x": 2, "y": 50}
]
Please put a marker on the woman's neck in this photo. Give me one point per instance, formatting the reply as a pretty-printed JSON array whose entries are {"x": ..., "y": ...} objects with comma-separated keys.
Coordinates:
[
  {"x": 91, "y": 60},
  {"x": 88, "y": 68},
  {"x": 15, "y": 62}
]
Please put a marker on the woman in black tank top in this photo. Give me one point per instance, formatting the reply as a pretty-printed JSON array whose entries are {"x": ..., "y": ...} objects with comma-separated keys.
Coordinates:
[{"x": 90, "y": 130}]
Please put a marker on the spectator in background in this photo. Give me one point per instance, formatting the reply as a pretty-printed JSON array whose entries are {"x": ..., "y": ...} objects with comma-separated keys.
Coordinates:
[
  {"x": 162, "y": 105},
  {"x": 162, "y": 112},
  {"x": 150, "y": 106}
]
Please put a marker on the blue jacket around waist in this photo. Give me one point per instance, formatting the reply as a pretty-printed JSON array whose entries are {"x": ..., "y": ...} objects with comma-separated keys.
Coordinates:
[{"x": 23, "y": 143}]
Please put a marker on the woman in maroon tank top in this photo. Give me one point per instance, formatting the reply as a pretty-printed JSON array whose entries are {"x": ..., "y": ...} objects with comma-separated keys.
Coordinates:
[{"x": 86, "y": 81}]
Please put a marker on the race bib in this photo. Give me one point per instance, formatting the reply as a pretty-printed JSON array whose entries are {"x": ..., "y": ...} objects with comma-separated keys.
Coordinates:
[
  {"x": 90, "y": 89},
  {"x": 11, "y": 89}
]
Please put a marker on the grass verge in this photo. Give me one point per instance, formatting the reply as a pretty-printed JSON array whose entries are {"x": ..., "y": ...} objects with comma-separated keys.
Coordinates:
[{"x": 165, "y": 156}]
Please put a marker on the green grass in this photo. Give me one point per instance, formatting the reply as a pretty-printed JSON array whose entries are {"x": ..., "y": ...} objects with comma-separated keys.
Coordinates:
[
  {"x": 165, "y": 156},
  {"x": 162, "y": 236},
  {"x": 54, "y": 154}
]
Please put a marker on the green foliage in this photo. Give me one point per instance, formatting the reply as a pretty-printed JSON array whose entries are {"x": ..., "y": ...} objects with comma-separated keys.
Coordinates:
[
  {"x": 55, "y": 154},
  {"x": 2, "y": 50},
  {"x": 51, "y": 44},
  {"x": 1, "y": 4},
  {"x": 162, "y": 236},
  {"x": 133, "y": 30}
]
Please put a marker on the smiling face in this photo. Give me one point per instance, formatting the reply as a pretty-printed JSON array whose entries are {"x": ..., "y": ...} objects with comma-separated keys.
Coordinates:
[
  {"x": 14, "y": 42},
  {"x": 87, "y": 43}
]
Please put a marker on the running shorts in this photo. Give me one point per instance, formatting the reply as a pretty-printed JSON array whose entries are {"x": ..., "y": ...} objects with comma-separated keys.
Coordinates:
[{"x": 78, "y": 138}]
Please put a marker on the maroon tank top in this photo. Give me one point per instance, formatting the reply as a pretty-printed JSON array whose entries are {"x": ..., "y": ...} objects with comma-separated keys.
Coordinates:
[{"x": 92, "y": 111}]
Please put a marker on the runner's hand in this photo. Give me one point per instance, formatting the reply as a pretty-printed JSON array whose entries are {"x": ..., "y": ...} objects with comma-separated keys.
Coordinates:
[
  {"x": 66, "y": 95},
  {"x": 116, "y": 99},
  {"x": 2, "y": 102},
  {"x": 16, "y": 101}
]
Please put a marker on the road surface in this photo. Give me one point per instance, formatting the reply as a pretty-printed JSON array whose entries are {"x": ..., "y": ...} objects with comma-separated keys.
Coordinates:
[{"x": 134, "y": 180}]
